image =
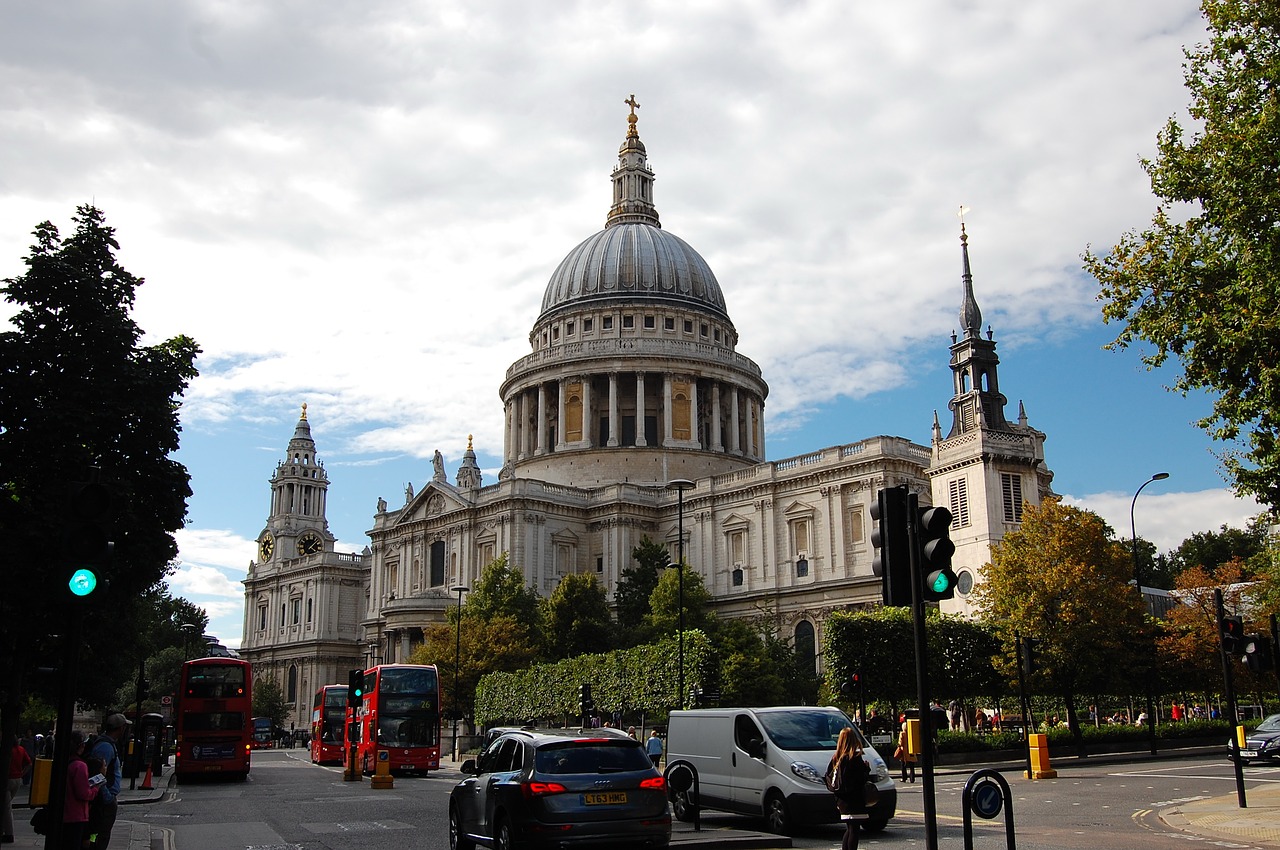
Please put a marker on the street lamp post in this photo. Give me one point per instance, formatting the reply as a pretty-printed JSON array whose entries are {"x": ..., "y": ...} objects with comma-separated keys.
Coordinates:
[
  {"x": 1137, "y": 583},
  {"x": 188, "y": 629},
  {"x": 457, "y": 663},
  {"x": 680, "y": 485}
]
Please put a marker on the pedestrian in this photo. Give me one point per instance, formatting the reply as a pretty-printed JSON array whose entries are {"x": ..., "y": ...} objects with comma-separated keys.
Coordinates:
[
  {"x": 954, "y": 715},
  {"x": 631, "y": 730},
  {"x": 80, "y": 793},
  {"x": 19, "y": 762},
  {"x": 846, "y": 778},
  {"x": 107, "y": 747},
  {"x": 653, "y": 747},
  {"x": 904, "y": 756}
]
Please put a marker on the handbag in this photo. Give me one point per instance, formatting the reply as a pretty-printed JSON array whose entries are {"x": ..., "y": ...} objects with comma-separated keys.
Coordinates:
[
  {"x": 870, "y": 794},
  {"x": 40, "y": 821}
]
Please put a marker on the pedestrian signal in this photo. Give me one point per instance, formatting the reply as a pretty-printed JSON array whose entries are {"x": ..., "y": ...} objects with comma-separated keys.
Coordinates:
[
  {"x": 1232, "y": 632},
  {"x": 1257, "y": 653}
]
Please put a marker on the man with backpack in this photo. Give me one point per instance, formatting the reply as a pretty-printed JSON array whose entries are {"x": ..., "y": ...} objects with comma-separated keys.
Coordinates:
[{"x": 102, "y": 816}]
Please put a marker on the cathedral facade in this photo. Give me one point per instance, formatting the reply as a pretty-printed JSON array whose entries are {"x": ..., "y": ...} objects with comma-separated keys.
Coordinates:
[{"x": 634, "y": 381}]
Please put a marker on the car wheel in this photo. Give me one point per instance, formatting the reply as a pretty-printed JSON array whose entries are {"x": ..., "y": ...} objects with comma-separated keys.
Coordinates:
[
  {"x": 681, "y": 806},
  {"x": 874, "y": 825},
  {"x": 502, "y": 835},
  {"x": 457, "y": 838},
  {"x": 776, "y": 818}
]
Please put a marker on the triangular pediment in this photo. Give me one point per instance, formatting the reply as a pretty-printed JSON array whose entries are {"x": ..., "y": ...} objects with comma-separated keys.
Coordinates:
[
  {"x": 436, "y": 499},
  {"x": 798, "y": 510}
]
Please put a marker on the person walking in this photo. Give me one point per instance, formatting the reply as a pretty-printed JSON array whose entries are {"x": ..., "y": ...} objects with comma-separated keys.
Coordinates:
[
  {"x": 80, "y": 793},
  {"x": 904, "y": 756},
  {"x": 107, "y": 747},
  {"x": 846, "y": 778},
  {"x": 653, "y": 747},
  {"x": 19, "y": 762}
]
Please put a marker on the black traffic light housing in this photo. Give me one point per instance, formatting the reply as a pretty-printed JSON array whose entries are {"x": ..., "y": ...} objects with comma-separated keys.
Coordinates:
[
  {"x": 586, "y": 704},
  {"x": 1030, "y": 652},
  {"x": 892, "y": 542},
  {"x": 1257, "y": 653},
  {"x": 87, "y": 545},
  {"x": 936, "y": 550},
  {"x": 355, "y": 688},
  {"x": 1231, "y": 630}
]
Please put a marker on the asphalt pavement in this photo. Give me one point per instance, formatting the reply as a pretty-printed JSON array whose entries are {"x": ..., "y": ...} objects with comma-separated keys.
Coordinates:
[{"x": 1212, "y": 819}]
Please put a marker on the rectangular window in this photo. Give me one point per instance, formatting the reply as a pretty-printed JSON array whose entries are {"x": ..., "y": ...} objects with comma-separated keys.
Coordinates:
[
  {"x": 437, "y": 563},
  {"x": 705, "y": 330},
  {"x": 587, "y": 325},
  {"x": 599, "y": 563},
  {"x": 607, "y": 323},
  {"x": 296, "y": 616},
  {"x": 738, "y": 548},
  {"x": 688, "y": 326},
  {"x": 555, "y": 334},
  {"x": 717, "y": 334},
  {"x": 960, "y": 502},
  {"x": 669, "y": 323},
  {"x": 855, "y": 525},
  {"x": 568, "y": 328},
  {"x": 1011, "y": 491},
  {"x": 628, "y": 322},
  {"x": 800, "y": 537},
  {"x": 650, "y": 323},
  {"x": 262, "y": 618}
]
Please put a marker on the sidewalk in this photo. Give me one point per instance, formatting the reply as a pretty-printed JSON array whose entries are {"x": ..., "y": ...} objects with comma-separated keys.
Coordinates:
[
  {"x": 128, "y": 833},
  {"x": 1222, "y": 817}
]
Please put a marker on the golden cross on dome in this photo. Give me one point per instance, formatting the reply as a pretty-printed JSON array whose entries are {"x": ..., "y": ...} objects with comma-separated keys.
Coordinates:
[{"x": 632, "y": 118}]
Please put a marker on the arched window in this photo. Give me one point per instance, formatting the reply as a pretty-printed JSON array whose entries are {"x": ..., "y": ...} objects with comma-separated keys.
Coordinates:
[
  {"x": 292, "y": 696},
  {"x": 806, "y": 653}
]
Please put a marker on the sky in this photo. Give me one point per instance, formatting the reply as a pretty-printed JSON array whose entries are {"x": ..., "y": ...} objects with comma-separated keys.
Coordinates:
[{"x": 358, "y": 205}]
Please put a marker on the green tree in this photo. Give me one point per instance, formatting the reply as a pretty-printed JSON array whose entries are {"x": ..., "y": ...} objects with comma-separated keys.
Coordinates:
[
  {"x": 269, "y": 701},
  {"x": 502, "y": 592},
  {"x": 663, "y": 618},
  {"x": 577, "y": 618},
  {"x": 635, "y": 587},
  {"x": 1061, "y": 579},
  {"x": 1211, "y": 549},
  {"x": 498, "y": 644},
  {"x": 1202, "y": 282},
  {"x": 80, "y": 394}
]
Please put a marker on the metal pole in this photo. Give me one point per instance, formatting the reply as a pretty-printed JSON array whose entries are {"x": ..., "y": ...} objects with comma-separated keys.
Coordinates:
[
  {"x": 680, "y": 485},
  {"x": 1230, "y": 692},
  {"x": 1137, "y": 583},
  {"x": 922, "y": 676},
  {"x": 457, "y": 665}
]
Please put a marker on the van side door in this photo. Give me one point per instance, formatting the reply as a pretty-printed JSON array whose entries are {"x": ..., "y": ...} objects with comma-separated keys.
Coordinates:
[{"x": 750, "y": 772}]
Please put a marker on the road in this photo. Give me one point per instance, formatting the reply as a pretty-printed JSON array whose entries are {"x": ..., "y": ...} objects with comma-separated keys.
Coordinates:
[{"x": 289, "y": 804}]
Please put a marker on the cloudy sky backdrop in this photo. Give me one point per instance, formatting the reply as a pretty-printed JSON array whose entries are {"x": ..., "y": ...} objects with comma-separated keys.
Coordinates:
[{"x": 357, "y": 205}]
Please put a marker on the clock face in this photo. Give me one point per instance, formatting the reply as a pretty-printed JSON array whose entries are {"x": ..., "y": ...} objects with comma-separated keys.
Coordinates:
[
  {"x": 266, "y": 546},
  {"x": 309, "y": 543}
]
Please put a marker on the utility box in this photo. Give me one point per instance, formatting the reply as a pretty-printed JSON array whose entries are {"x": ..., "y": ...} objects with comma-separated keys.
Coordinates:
[{"x": 41, "y": 775}]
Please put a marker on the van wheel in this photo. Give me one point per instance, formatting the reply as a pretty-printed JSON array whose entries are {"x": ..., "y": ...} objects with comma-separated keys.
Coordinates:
[
  {"x": 681, "y": 807},
  {"x": 776, "y": 817}
]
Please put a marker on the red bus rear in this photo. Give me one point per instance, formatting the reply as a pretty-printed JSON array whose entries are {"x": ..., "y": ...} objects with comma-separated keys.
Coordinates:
[
  {"x": 328, "y": 722},
  {"x": 213, "y": 721},
  {"x": 401, "y": 715}
]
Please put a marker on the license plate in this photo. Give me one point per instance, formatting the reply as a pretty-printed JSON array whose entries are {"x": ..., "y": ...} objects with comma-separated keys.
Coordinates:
[
  {"x": 604, "y": 798},
  {"x": 406, "y": 767},
  {"x": 1249, "y": 754},
  {"x": 213, "y": 767}
]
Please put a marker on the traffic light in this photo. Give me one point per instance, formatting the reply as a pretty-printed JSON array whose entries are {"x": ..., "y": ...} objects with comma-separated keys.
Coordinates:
[
  {"x": 1232, "y": 631},
  {"x": 1257, "y": 653},
  {"x": 586, "y": 704},
  {"x": 1030, "y": 662},
  {"x": 890, "y": 538},
  {"x": 144, "y": 687},
  {"x": 87, "y": 540},
  {"x": 936, "y": 550},
  {"x": 355, "y": 688}
]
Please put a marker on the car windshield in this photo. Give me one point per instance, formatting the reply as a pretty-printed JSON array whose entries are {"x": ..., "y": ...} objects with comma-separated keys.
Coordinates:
[
  {"x": 1271, "y": 724},
  {"x": 591, "y": 757},
  {"x": 804, "y": 730}
]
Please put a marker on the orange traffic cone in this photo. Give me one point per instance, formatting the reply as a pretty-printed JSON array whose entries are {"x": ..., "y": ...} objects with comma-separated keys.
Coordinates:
[{"x": 146, "y": 782}]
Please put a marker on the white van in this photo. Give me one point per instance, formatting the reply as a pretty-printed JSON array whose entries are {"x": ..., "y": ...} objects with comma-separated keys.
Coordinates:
[{"x": 769, "y": 762}]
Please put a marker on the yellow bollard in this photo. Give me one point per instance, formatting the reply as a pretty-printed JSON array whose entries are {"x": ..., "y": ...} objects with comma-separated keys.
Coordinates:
[
  {"x": 1039, "y": 745},
  {"x": 915, "y": 741},
  {"x": 382, "y": 777},
  {"x": 1241, "y": 741},
  {"x": 41, "y": 776}
]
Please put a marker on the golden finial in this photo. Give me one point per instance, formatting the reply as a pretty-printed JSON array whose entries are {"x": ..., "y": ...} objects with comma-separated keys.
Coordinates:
[
  {"x": 961, "y": 212},
  {"x": 469, "y": 443},
  {"x": 304, "y": 410},
  {"x": 632, "y": 118}
]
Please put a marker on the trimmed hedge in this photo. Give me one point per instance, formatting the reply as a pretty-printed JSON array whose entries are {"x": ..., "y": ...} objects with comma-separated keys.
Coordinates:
[{"x": 1060, "y": 736}]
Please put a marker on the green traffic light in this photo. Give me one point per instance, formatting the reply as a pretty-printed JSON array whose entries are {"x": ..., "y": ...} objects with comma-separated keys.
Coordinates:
[
  {"x": 82, "y": 582},
  {"x": 941, "y": 582}
]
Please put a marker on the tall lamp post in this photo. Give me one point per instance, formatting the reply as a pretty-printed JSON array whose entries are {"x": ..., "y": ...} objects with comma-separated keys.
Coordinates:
[
  {"x": 680, "y": 485},
  {"x": 457, "y": 663},
  {"x": 1137, "y": 583}
]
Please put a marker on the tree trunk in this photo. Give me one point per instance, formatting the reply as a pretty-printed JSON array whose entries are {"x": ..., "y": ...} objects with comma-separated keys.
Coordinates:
[{"x": 1073, "y": 723}]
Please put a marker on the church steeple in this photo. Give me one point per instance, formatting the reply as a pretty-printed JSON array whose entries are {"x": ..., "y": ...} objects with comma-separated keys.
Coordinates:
[
  {"x": 977, "y": 402},
  {"x": 632, "y": 179},
  {"x": 299, "y": 492}
]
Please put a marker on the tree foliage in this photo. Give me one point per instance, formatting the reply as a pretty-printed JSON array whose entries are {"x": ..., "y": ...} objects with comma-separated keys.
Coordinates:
[
  {"x": 80, "y": 393},
  {"x": 577, "y": 617},
  {"x": 1202, "y": 283},
  {"x": 269, "y": 701},
  {"x": 635, "y": 587},
  {"x": 1061, "y": 580},
  {"x": 664, "y": 604},
  {"x": 1211, "y": 549},
  {"x": 502, "y": 592}
]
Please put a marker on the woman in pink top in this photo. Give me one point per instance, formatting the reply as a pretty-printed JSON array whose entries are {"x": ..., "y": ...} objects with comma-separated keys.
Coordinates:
[{"x": 80, "y": 792}]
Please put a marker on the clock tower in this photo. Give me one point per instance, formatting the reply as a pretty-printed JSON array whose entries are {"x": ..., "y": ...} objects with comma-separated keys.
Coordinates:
[{"x": 302, "y": 597}]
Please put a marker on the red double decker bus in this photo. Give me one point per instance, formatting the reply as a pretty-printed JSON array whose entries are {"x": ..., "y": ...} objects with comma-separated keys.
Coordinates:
[
  {"x": 400, "y": 713},
  {"x": 328, "y": 724},
  {"x": 213, "y": 722}
]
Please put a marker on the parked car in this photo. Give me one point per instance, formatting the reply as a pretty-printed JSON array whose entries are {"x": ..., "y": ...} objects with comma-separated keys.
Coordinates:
[
  {"x": 1263, "y": 743},
  {"x": 549, "y": 788}
]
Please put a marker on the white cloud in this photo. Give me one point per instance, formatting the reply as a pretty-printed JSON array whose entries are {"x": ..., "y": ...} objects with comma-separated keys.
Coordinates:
[{"x": 1163, "y": 518}]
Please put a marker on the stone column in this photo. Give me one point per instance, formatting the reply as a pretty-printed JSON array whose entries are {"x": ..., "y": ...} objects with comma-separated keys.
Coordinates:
[
  {"x": 560, "y": 388},
  {"x": 640, "y": 441},
  {"x": 613, "y": 409},
  {"x": 588, "y": 421},
  {"x": 695, "y": 421},
  {"x": 664, "y": 438},
  {"x": 540, "y": 448},
  {"x": 717, "y": 445},
  {"x": 735, "y": 444}
]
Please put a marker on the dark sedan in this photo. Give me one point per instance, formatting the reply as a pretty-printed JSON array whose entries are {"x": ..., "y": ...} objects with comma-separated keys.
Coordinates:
[
  {"x": 1262, "y": 743},
  {"x": 559, "y": 788}
]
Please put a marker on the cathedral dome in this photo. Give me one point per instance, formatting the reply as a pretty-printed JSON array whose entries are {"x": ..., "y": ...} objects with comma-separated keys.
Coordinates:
[{"x": 628, "y": 261}]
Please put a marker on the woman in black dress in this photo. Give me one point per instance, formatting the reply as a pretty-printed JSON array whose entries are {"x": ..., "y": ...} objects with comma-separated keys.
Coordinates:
[{"x": 847, "y": 779}]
